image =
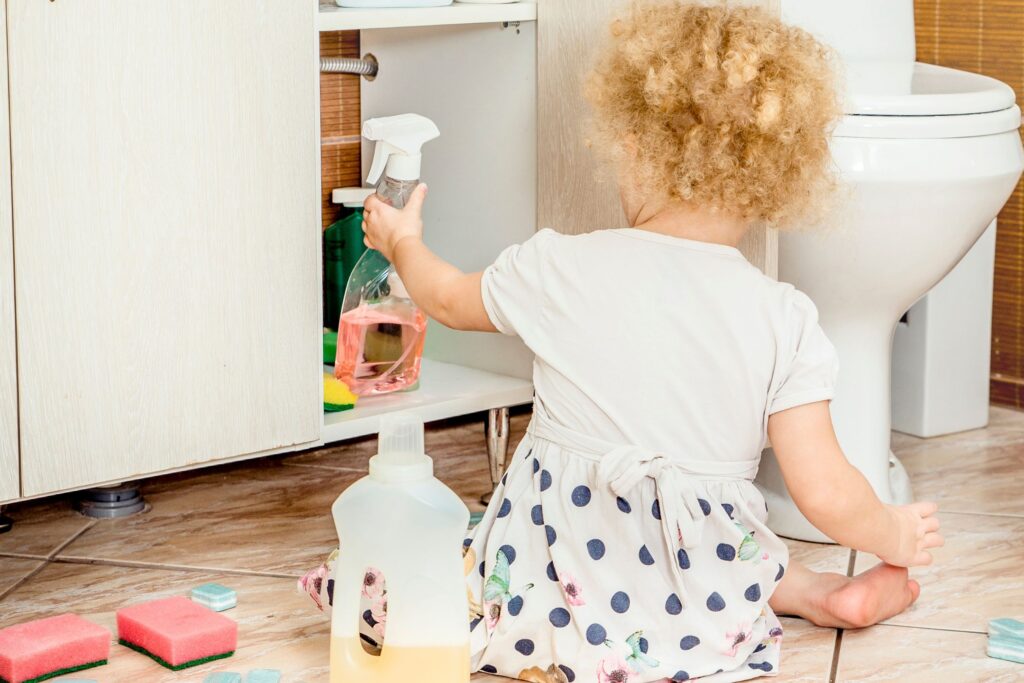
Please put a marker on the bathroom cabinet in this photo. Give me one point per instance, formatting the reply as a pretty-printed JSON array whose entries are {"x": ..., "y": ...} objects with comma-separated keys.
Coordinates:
[
  {"x": 166, "y": 252},
  {"x": 9, "y": 475},
  {"x": 166, "y": 220}
]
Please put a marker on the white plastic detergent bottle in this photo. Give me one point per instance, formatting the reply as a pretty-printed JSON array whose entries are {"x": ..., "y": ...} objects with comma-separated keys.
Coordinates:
[
  {"x": 381, "y": 332},
  {"x": 401, "y": 525}
]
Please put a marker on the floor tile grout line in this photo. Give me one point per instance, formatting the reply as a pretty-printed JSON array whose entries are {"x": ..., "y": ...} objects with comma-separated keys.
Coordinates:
[
  {"x": 24, "y": 556},
  {"x": 943, "y": 629},
  {"x": 353, "y": 470},
  {"x": 1005, "y": 515},
  {"x": 23, "y": 580},
  {"x": 71, "y": 559},
  {"x": 74, "y": 537},
  {"x": 834, "y": 669}
]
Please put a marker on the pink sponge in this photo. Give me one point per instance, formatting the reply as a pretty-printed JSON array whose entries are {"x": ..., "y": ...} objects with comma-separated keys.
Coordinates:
[
  {"x": 47, "y": 648},
  {"x": 177, "y": 632}
]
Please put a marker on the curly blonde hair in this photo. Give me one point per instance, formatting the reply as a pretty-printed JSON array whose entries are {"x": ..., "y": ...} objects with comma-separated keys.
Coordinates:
[{"x": 718, "y": 106}]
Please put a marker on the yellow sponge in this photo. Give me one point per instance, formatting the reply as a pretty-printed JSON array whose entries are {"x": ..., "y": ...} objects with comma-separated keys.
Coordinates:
[{"x": 337, "y": 396}]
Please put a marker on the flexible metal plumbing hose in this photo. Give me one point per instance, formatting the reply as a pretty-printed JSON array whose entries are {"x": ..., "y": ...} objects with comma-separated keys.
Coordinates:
[{"x": 340, "y": 65}]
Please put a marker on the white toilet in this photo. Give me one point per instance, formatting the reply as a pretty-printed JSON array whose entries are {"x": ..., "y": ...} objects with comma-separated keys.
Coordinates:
[{"x": 929, "y": 156}]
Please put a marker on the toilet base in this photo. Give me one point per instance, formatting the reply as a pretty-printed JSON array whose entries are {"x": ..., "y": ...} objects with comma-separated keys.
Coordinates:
[{"x": 787, "y": 521}]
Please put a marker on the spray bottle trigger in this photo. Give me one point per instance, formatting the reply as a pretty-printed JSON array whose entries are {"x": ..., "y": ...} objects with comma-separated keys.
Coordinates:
[{"x": 381, "y": 153}]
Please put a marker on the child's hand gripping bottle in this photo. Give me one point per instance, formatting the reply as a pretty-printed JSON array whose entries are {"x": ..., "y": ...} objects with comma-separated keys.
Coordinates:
[
  {"x": 402, "y": 526},
  {"x": 381, "y": 332}
]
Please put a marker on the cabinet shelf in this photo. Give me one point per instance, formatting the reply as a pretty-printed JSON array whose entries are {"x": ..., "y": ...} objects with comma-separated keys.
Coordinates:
[
  {"x": 334, "y": 18},
  {"x": 446, "y": 390}
]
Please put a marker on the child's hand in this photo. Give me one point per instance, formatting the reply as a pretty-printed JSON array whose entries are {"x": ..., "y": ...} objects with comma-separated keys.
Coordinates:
[
  {"x": 385, "y": 226},
  {"x": 918, "y": 530}
]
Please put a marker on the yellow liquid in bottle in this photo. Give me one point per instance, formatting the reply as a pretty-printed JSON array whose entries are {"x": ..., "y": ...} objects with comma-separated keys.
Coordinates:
[{"x": 396, "y": 664}]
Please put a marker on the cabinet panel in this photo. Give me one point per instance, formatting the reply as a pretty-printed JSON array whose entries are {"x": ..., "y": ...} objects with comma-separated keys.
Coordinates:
[
  {"x": 569, "y": 199},
  {"x": 9, "y": 474},
  {"x": 166, "y": 220}
]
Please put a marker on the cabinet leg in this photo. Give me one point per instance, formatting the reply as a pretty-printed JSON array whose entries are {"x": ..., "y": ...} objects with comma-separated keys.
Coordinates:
[
  {"x": 6, "y": 523},
  {"x": 111, "y": 502},
  {"x": 496, "y": 429}
]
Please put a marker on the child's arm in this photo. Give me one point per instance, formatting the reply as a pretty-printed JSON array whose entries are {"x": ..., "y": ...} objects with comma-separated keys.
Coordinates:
[
  {"x": 836, "y": 497},
  {"x": 444, "y": 292}
]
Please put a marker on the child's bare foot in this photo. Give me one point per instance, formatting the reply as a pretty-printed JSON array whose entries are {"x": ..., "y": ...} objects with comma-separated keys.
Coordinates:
[{"x": 837, "y": 601}]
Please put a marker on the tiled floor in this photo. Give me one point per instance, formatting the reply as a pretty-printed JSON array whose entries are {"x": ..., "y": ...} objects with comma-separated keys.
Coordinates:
[{"x": 257, "y": 525}]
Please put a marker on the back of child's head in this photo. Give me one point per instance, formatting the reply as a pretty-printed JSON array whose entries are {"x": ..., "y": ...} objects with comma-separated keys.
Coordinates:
[{"x": 722, "y": 107}]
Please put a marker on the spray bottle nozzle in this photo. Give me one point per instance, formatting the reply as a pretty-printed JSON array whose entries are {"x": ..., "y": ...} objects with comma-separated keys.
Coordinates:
[{"x": 399, "y": 140}]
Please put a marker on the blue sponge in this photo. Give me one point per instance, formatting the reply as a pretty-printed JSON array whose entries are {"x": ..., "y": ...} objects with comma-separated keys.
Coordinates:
[
  {"x": 223, "y": 677},
  {"x": 263, "y": 676},
  {"x": 214, "y": 596}
]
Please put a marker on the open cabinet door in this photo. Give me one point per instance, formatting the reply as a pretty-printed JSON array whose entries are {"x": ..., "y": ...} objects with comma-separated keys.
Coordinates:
[
  {"x": 165, "y": 161},
  {"x": 9, "y": 474},
  {"x": 573, "y": 195}
]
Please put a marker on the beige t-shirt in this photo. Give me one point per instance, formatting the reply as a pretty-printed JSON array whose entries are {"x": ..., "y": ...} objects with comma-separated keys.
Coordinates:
[{"x": 675, "y": 345}]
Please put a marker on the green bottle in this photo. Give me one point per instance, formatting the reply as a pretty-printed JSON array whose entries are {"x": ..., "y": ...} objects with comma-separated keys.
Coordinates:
[{"x": 343, "y": 246}]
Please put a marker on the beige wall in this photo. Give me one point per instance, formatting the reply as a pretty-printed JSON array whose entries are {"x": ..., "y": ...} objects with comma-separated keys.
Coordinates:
[{"x": 574, "y": 195}]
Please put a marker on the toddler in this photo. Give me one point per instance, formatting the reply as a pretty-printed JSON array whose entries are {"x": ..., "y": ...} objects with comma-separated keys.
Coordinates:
[{"x": 627, "y": 542}]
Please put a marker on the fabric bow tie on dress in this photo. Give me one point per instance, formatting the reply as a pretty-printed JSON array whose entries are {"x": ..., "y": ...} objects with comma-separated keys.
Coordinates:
[{"x": 682, "y": 519}]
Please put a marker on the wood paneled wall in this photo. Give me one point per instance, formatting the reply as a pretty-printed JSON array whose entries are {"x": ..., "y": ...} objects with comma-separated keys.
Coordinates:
[
  {"x": 339, "y": 122},
  {"x": 987, "y": 36}
]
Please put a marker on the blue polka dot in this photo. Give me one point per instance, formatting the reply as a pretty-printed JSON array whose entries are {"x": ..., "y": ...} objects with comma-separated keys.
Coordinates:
[
  {"x": 504, "y": 479},
  {"x": 488, "y": 669},
  {"x": 330, "y": 592},
  {"x": 596, "y": 549},
  {"x": 476, "y": 622},
  {"x": 510, "y": 553},
  {"x": 620, "y": 603},
  {"x": 524, "y": 647},
  {"x": 552, "y": 574},
  {"x": 715, "y": 602},
  {"x": 505, "y": 509},
  {"x": 536, "y": 465},
  {"x": 689, "y": 642},
  {"x": 760, "y": 647},
  {"x": 559, "y": 617},
  {"x": 683, "y": 558},
  {"x": 368, "y": 618},
  {"x": 645, "y": 556},
  {"x": 726, "y": 552},
  {"x": 623, "y": 504},
  {"x": 570, "y": 675},
  {"x": 674, "y": 605},
  {"x": 482, "y": 570},
  {"x": 763, "y": 666},
  {"x": 515, "y": 606},
  {"x": 552, "y": 536},
  {"x": 580, "y": 496},
  {"x": 537, "y": 515},
  {"x": 545, "y": 480},
  {"x": 728, "y": 509},
  {"x": 596, "y": 635},
  {"x": 782, "y": 570},
  {"x": 656, "y": 509},
  {"x": 705, "y": 506},
  {"x": 466, "y": 542},
  {"x": 753, "y": 593},
  {"x": 680, "y": 676}
]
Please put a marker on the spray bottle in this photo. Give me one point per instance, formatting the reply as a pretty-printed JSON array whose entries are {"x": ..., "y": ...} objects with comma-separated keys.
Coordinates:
[
  {"x": 381, "y": 332},
  {"x": 412, "y": 551}
]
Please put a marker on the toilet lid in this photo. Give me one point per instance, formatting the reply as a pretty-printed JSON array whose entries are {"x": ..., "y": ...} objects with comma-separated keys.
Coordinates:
[
  {"x": 909, "y": 89},
  {"x": 913, "y": 101}
]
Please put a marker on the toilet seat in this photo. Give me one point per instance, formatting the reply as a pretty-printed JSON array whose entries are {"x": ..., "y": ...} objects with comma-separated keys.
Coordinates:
[{"x": 914, "y": 101}]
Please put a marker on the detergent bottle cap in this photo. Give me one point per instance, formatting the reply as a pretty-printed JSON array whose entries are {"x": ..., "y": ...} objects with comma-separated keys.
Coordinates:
[
  {"x": 400, "y": 453},
  {"x": 399, "y": 141},
  {"x": 351, "y": 197}
]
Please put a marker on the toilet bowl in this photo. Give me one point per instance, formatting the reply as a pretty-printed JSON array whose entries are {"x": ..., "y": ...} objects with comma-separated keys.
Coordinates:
[{"x": 928, "y": 156}]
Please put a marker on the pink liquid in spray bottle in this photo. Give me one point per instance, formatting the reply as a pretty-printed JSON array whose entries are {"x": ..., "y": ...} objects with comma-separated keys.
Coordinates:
[{"x": 381, "y": 331}]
